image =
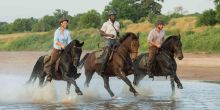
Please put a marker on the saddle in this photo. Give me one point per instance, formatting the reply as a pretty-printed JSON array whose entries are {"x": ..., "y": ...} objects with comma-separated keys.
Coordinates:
[
  {"x": 156, "y": 68},
  {"x": 99, "y": 54},
  {"x": 47, "y": 59},
  {"x": 143, "y": 62}
]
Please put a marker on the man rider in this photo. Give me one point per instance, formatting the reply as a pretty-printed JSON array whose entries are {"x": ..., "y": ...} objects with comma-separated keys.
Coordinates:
[
  {"x": 155, "y": 38},
  {"x": 110, "y": 32}
]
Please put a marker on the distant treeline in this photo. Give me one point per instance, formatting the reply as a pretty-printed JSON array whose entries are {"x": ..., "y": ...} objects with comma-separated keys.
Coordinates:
[{"x": 134, "y": 10}]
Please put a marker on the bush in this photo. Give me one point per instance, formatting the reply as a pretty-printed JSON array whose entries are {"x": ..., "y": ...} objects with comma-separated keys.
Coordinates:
[{"x": 207, "y": 18}]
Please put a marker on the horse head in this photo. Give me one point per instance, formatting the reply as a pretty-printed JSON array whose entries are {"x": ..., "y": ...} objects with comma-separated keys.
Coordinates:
[
  {"x": 131, "y": 41},
  {"x": 74, "y": 49},
  {"x": 173, "y": 44}
]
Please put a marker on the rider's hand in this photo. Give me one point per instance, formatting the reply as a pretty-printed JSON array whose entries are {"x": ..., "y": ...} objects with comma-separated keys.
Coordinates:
[
  {"x": 112, "y": 36},
  {"x": 62, "y": 47},
  {"x": 158, "y": 45}
]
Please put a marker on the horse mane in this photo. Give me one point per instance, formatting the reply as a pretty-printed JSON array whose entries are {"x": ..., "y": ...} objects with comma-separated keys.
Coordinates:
[
  {"x": 168, "y": 39},
  {"x": 126, "y": 35},
  {"x": 70, "y": 45}
]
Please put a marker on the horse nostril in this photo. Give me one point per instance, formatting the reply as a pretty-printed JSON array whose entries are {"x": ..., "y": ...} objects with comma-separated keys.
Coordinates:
[{"x": 180, "y": 58}]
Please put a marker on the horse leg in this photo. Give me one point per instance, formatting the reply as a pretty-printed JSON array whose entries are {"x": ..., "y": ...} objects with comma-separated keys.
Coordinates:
[
  {"x": 41, "y": 79},
  {"x": 172, "y": 84},
  {"x": 88, "y": 75},
  {"x": 77, "y": 90},
  {"x": 106, "y": 85},
  {"x": 68, "y": 88},
  {"x": 179, "y": 84},
  {"x": 128, "y": 82}
]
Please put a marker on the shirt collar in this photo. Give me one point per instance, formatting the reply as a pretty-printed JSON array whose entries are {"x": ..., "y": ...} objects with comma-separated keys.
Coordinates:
[
  {"x": 59, "y": 29},
  {"x": 110, "y": 21}
]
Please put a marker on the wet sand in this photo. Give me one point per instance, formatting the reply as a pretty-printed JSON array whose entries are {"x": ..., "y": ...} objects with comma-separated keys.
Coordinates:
[{"x": 193, "y": 67}]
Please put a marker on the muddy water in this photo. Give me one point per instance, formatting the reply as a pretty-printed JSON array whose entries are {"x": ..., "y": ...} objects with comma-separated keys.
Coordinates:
[{"x": 153, "y": 95}]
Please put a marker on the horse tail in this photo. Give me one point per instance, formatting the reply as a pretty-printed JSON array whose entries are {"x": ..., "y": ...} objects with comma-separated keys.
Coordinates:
[
  {"x": 82, "y": 61},
  {"x": 38, "y": 68}
]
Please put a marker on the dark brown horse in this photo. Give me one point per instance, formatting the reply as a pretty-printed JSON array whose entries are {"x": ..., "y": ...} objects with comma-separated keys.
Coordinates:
[
  {"x": 165, "y": 64},
  {"x": 118, "y": 66}
]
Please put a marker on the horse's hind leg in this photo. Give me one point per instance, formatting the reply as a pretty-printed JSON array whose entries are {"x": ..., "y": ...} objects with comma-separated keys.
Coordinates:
[
  {"x": 88, "y": 75},
  {"x": 106, "y": 85},
  {"x": 41, "y": 81},
  {"x": 179, "y": 84}
]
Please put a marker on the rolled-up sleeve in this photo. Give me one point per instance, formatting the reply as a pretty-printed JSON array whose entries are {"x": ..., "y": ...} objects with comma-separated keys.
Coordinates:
[
  {"x": 56, "y": 39},
  {"x": 69, "y": 37},
  {"x": 104, "y": 27},
  {"x": 150, "y": 37}
]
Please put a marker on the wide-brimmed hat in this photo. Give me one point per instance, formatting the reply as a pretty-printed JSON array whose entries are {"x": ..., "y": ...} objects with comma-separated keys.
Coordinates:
[
  {"x": 63, "y": 19},
  {"x": 160, "y": 22},
  {"x": 112, "y": 12}
]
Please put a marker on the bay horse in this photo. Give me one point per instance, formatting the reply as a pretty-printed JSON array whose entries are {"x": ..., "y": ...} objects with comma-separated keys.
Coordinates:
[
  {"x": 118, "y": 66},
  {"x": 67, "y": 67},
  {"x": 165, "y": 64}
]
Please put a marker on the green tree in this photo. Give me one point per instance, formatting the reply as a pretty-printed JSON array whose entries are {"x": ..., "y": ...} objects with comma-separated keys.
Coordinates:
[
  {"x": 45, "y": 24},
  {"x": 217, "y": 4},
  {"x": 22, "y": 25},
  {"x": 5, "y": 28},
  {"x": 133, "y": 9},
  {"x": 207, "y": 18},
  {"x": 90, "y": 19}
]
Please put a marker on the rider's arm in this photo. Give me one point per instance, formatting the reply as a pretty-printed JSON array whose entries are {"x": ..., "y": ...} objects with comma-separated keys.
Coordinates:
[
  {"x": 154, "y": 44},
  {"x": 56, "y": 40},
  {"x": 102, "y": 33},
  {"x": 104, "y": 29},
  {"x": 151, "y": 42},
  {"x": 60, "y": 44}
]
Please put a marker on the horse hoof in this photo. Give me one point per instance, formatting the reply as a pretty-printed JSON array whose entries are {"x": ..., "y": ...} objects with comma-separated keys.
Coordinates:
[
  {"x": 180, "y": 86},
  {"x": 67, "y": 93},
  {"x": 79, "y": 93},
  {"x": 136, "y": 94},
  {"x": 114, "y": 97}
]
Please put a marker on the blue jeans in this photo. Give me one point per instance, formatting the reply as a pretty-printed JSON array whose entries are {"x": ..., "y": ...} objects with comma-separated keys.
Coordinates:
[{"x": 110, "y": 42}]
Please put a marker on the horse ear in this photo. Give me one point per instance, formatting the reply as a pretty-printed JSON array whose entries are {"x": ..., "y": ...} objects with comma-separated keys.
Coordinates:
[
  {"x": 81, "y": 44},
  {"x": 179, "y": 35},
  {"x": 138, "y": 34}
]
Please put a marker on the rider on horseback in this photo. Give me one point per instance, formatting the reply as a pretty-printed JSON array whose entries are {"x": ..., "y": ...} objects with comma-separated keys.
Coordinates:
[
  {"x": 61, "y": 39},
  {"x": 155, "y": 38},
  {"x": 110, "y": 31}
]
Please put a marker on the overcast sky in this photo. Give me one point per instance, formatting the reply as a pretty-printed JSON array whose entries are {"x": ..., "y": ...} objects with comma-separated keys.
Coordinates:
[{"x": 12, "y": 9}]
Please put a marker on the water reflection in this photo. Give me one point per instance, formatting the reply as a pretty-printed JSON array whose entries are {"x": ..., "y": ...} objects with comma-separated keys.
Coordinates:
[{"x": 154, "y": 95}]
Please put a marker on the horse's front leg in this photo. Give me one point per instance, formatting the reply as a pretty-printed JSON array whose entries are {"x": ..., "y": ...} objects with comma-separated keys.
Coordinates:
[
  {"x": 122, "y": 75},
  {"x": 77, "y": 90},
  {"x": 72, "y": 81},
  {"x": 106, "y": 85},
  {"x": 172, "y": 84},
  {"x": 179, "y": 84}
]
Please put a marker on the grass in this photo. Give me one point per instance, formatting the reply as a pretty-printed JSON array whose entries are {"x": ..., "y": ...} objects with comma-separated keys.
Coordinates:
[{"x": 194, "y": 39}]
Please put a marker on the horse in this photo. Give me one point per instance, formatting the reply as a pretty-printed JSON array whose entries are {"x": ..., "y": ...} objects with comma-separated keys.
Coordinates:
[
  {"x": 165, "y": 64},
  {"x": 66, "y": 66},
  {"x": 119, "y": 64}
]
